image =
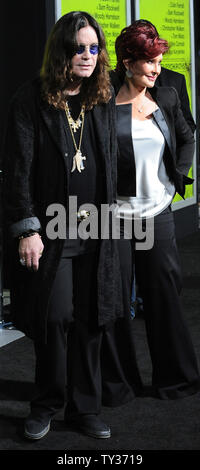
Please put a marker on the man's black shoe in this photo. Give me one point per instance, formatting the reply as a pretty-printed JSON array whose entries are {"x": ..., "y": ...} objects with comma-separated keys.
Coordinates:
[
  {"x": 36, "y": 427},
  {"x": 90, "y": 425}
]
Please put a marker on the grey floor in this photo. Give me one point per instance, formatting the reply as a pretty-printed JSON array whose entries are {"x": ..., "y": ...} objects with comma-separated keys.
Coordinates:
[{"x": 155, "y": 427}]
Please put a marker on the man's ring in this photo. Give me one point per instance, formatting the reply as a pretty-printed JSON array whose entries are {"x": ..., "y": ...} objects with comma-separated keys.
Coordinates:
[{"x": 22, "y": 261}]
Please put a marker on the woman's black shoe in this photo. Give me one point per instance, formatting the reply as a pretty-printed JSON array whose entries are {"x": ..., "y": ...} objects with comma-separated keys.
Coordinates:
[{"x": 90, "y": 425}]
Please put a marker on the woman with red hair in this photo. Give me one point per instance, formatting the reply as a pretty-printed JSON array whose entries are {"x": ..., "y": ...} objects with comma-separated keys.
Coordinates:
[{"x": 156, "y": 149}]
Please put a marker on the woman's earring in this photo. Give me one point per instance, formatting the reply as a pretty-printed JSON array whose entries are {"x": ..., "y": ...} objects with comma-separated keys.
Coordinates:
[{"x": 129, "y": 74}]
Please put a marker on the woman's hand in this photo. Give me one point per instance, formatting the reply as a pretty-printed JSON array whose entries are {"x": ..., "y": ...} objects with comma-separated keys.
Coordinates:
[{"x": 30, "y": 251}]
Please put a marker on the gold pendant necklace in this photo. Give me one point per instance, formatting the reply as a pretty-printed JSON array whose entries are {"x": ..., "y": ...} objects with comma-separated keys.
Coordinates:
[
  {"x": 140, "y": 109},
  {"x": 74, "y": 125}
]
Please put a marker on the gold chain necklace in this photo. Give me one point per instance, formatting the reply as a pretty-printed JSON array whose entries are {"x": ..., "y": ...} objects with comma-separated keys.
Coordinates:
[{"x": 74, "y": 125}]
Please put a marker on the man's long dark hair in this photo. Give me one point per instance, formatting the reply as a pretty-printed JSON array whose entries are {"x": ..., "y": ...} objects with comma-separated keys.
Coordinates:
[{"x": 56, "y": 71}]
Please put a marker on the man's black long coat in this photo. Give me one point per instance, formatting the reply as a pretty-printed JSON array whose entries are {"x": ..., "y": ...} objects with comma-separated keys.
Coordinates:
[{"x": 35, "y": 176}]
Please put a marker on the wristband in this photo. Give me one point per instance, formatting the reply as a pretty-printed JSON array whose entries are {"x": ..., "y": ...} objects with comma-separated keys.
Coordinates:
[{"x": 27, "y": 234}]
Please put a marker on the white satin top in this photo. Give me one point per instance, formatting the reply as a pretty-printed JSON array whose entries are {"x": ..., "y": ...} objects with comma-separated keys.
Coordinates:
[{"x": 154, "y": 191}]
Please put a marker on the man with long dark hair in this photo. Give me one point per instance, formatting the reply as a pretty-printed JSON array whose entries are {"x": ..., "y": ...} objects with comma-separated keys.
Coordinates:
[{"x": 61, "y": 143}]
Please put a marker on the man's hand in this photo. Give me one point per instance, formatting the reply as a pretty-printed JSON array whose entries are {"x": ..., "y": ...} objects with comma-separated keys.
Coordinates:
[{"x": 30, "y": 250}]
